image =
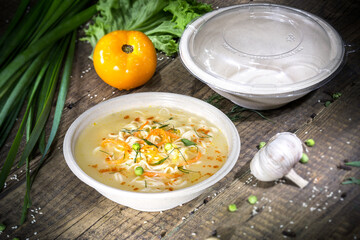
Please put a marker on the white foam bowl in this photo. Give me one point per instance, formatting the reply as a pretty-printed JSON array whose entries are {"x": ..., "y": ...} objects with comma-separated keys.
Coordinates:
[
  {"x": 152, "y": 201},
  {"x": 261, "y": 56}
]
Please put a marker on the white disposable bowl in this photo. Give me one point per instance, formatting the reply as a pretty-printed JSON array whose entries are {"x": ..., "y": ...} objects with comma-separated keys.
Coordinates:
[
  {"x": 152, "y": 201},
  {"x": 261, "y": 56}
]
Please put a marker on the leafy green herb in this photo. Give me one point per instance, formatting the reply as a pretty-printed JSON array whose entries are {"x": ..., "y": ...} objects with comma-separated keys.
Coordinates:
[
  {"x": 163, "y": 21},
  {"x": 131, "y": 131},
  {"x": 327, "y": 103},
  {"x": 202, "y": 133},
  {"x": 187, "y": 171},
  {"x": 2, "y": 227},
  {"x": 187, "y": 142},
  {"x": 236, "y": 111},
  {"x": 163, "y": 124},
  {"x": 181, "y": 154},
  {"x": 351, "y": 180},
  {"x": 215, "y": 99},
  {"x": 354, "y": 164},
  {"x": 164, "y": 159},
  {"x": 104, "y": 152},
  {"x": 145, "y": 183},
  {"x": 160, "y": 162},
  {"x": 148, "y": 142},
  {"x": 173, "y": 129},
  {"x": 34, "y": 63}
]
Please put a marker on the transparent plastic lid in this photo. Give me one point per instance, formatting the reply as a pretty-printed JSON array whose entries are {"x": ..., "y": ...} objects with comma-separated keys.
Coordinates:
[{"x": 261, "y": 49}]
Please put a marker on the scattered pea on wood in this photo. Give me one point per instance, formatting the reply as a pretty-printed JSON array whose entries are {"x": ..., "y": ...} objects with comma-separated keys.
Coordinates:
[
  {"x": 232, "y": 207},
  {"x": 252, "y": 199},
  {"x": 304, "y": 158},
  {"x": 310, "y": 142}
]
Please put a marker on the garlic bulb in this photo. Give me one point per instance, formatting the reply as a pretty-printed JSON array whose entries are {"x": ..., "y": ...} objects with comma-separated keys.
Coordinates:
[{"x": 277, "y": 159}]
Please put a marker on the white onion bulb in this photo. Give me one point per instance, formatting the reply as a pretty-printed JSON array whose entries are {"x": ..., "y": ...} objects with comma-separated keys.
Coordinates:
[{"x": 277, "y": 159}]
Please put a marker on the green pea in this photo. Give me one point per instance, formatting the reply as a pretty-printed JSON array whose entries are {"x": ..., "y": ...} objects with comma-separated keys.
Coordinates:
[
  {"x": 136, "y": 146},
  {"x": 304, "y": 158},
  {"x": 232, "y": 207},
  {"x": 262, "y": 144},
  {"x": 16, "y": 238},
  {"x": 310, "y": 142},
  {"x": 2, "y": 227},
  {"x": 336, "y": 95},
  {"x": 252, "y": 199},
  {"x": 139, "y": 171},
  {"x": 327, "y": 103}
]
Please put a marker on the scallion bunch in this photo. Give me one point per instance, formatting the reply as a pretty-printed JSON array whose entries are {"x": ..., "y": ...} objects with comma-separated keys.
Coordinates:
[{"x": 36, "y": 58}]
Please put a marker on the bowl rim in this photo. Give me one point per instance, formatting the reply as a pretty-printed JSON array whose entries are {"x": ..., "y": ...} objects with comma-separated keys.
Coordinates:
[
  {"x": 233, "y": 154},
  {"x": 222, "y": 84}
]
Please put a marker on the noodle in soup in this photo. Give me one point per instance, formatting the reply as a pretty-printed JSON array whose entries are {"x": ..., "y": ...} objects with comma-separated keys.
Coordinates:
[{"x": 151, "y": 149}]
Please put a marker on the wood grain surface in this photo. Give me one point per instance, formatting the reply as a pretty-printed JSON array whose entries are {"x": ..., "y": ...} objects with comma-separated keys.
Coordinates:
[{"x": 66, "y": 208}]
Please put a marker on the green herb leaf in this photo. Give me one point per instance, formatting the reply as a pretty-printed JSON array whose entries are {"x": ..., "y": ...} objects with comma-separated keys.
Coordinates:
[
  {"x": 214, "y": 99},
  {"x": 188, "y": 142},
  {"x": 148, "y": 142},
  {"x": 159, "y": 162},
  {"x": 187, "y": 171},
  {"x": 354, "y": 164},
  {"x": 104, "y": 152},
  {"x": 204, "y": 134},
  {"x": 351, "y": 180},
  {"x": 162, "y": 21},
  {"x": 130, "y": 131}
]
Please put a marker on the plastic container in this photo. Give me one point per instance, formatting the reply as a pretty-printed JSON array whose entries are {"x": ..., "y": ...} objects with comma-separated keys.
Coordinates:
[
  {"x": 261, "y": 56},
  {"x": 152, "y": 201}
]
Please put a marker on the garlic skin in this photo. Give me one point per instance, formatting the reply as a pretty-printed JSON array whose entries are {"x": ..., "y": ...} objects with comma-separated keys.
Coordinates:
[{"x": 277, "y": 159}]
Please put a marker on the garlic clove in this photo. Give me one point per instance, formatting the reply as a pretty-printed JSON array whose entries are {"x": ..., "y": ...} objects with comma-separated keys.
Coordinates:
[{"x": 277, "y": 159}]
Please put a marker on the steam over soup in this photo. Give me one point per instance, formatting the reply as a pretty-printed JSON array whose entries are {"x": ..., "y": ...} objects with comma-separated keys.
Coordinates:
[{"x": 151, "y": 149}]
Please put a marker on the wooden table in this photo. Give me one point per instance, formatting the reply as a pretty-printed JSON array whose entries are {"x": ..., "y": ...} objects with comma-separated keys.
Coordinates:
[{"x": 66, "y": 208}]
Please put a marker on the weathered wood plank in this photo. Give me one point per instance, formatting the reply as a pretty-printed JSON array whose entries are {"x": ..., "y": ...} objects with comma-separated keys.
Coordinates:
[{"x": 65, "y": 208}]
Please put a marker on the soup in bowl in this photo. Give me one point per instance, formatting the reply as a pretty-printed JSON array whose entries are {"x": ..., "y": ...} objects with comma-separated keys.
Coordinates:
[{"x": 151, "y": 151}]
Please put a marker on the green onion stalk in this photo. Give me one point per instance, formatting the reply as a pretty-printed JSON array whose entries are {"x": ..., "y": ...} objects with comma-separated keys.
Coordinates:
[{"x": 35, "y": 67}]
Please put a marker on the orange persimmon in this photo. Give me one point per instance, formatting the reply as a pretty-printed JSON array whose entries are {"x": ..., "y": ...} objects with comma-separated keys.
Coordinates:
[{"x": 125, "y": 59}]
